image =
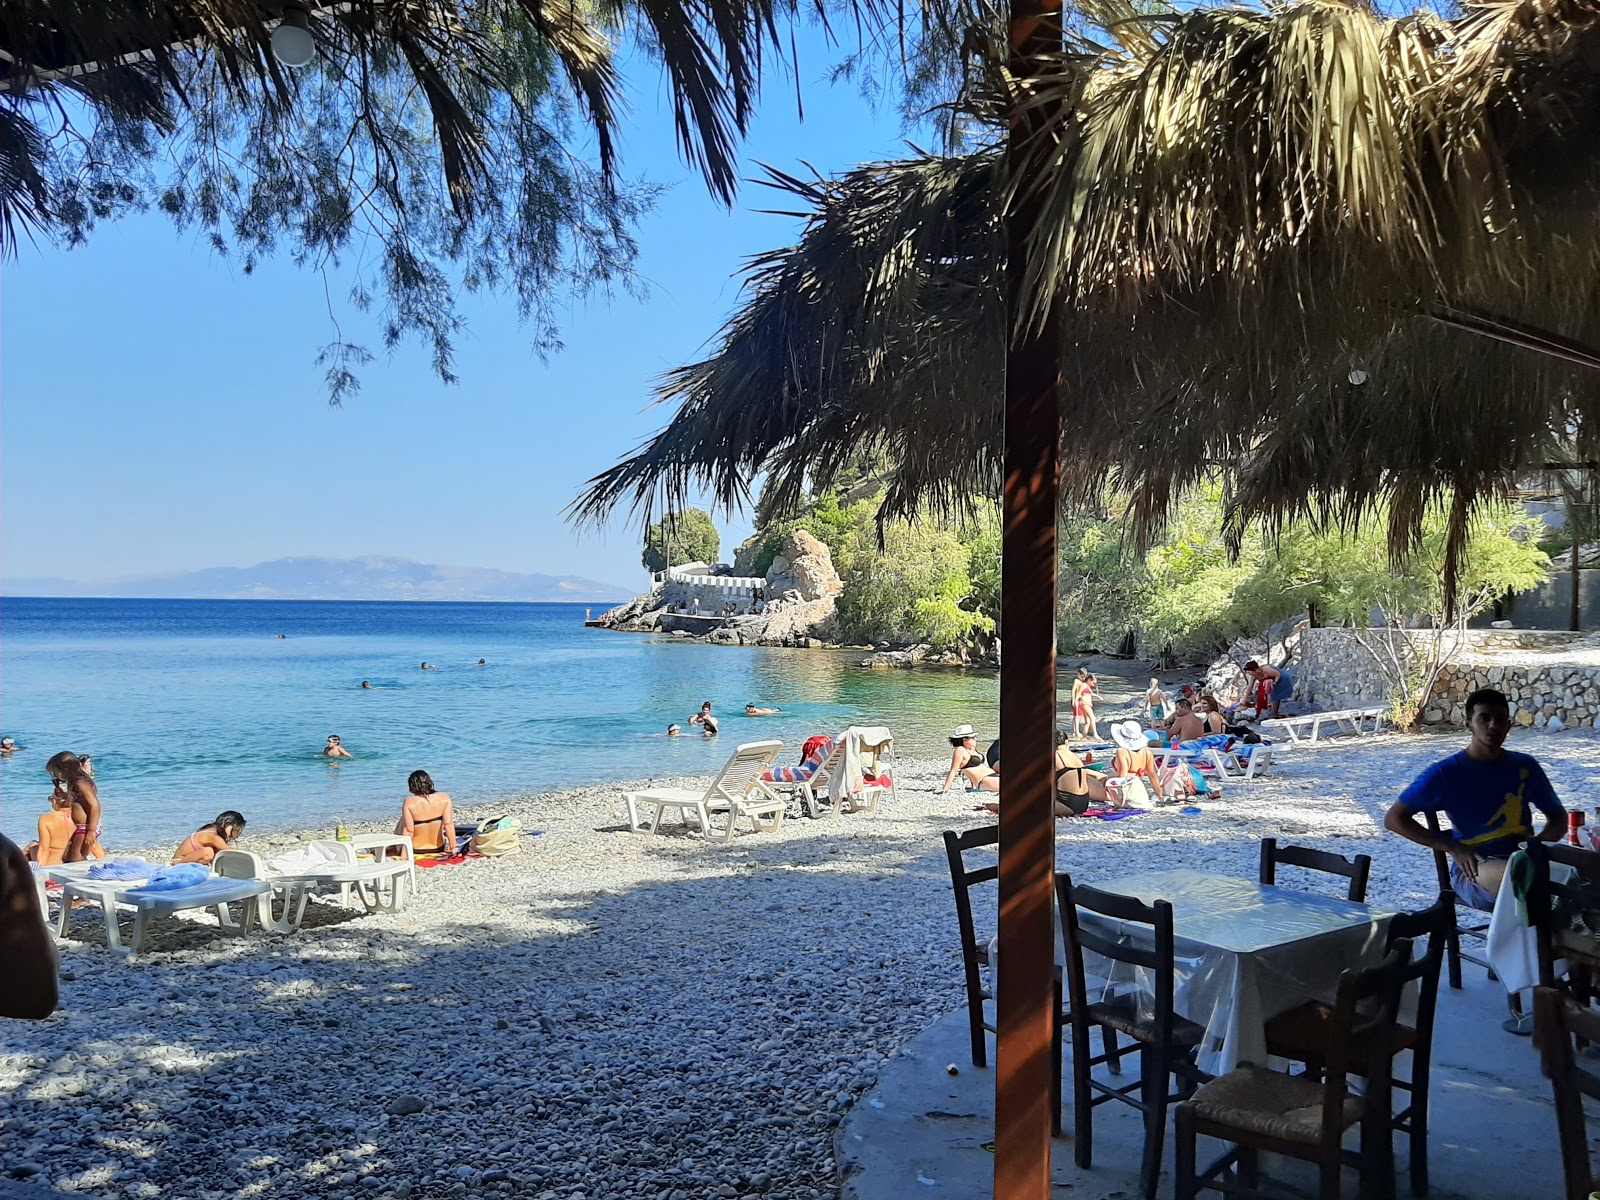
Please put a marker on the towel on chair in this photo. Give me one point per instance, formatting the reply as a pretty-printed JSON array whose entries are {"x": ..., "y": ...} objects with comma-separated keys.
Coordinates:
[
  {"x": 170, "y": 879},
  {"x": 127, "y": 868}
]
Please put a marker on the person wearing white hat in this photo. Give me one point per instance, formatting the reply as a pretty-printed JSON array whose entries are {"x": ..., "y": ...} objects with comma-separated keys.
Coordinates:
[
  {"x": 966, "y": 761},
  {"x": 1133, "y": 758}
]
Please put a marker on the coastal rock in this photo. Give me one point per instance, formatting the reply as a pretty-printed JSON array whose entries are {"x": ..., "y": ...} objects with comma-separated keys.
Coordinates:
[
  {"x": 405, "y": 1106},
  {"x": 804, "y": 565}
]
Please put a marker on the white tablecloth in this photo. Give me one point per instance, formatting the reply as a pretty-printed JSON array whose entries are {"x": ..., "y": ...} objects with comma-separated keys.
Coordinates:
[{"x": 1245, "y": 952}]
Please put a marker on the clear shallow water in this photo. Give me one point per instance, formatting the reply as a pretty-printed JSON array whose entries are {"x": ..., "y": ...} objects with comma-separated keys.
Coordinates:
[{"x": 193, "y": 706}]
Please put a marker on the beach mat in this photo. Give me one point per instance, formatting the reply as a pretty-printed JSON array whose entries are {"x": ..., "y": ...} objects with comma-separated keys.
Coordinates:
[
  {"x": 455, "y": 860},
  {"x": 1112, "y": 814}
]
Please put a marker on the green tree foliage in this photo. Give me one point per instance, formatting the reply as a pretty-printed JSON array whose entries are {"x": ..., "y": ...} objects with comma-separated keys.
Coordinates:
[
  {"x": 917, "y": 586},
  {"x": 680, "y": 538},
  {"x": 1191, "y": 592}
]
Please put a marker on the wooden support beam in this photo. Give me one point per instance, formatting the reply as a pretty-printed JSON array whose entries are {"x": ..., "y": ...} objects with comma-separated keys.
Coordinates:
[{"x": 1026, "y": 978}]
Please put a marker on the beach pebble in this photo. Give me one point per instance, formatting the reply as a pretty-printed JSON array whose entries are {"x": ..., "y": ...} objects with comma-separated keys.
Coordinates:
[{"x": 555, "y": 1007}]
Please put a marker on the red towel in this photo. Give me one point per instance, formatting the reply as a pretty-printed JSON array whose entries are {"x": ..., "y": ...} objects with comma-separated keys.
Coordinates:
[{"x": 454, "y": 860}]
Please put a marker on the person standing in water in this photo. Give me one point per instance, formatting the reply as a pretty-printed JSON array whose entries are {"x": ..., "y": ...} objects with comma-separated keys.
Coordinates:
[
  {"x": 705, "y": 720},
  {"x": 335, "y": 749},
  {"x": 84, "y": 800}
]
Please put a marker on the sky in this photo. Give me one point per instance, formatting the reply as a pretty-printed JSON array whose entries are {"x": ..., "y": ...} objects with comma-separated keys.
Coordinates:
[{"x": 161, "y": 412}]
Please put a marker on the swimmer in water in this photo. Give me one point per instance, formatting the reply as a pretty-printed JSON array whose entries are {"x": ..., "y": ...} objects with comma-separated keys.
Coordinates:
[
  {"x": 8, "y": 747},
  {"x": 365, "y": 686},
  {"x": 283, "y": 637},
  {"x": 705, "y": 720},
  {"x": 428, "y": 667},
  {"x": 674, "y": 730},
  {"x": 750, "y": 710},
  {"x": 482, "y": 663},
  {"x": 335, "y": 749}
]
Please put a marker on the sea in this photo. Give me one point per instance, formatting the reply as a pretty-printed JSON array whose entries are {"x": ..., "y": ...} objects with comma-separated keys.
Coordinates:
[{"x": 189, "y": 707}]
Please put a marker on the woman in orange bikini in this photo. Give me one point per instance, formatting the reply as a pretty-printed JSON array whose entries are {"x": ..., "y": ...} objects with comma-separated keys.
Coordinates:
[
  {"x": 428, "y": 818},
  {"x": 55, "y": 831},
  {"x": 204, "y": 844}
]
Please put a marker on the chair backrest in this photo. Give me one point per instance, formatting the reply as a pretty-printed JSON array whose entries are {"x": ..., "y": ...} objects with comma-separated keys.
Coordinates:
[
  {"x": 1152, "y": 953},
  {"x": 963, "y": 880},
  {"x": 1542, "y": 896},
  {"x": 1557, "y": 1020},
  {"x": 238, "y": 864},
  {"x": 829, "y": 764},
  {"x": 742, "y": 773},
  {"x": 1356, "y": 870},
  {"x": 334, "y": 850},
  {"x": 1441, "y": 861},
  {"x": 1437, "y": 923},
  {"x": 1364, "y": 1014}
]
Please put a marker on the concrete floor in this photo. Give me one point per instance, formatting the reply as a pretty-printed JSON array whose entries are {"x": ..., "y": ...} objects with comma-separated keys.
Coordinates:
[{"x": 923, "y": 1132}]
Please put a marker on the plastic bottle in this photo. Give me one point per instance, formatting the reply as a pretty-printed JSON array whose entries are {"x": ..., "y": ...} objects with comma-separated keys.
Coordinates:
[{"x": 342, "y": 833}]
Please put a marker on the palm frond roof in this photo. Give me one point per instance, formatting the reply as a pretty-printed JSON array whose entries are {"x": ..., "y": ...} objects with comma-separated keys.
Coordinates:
[{"x": 1259, "y": 231}]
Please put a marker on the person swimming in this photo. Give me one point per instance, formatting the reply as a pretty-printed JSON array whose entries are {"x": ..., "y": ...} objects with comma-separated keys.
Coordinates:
[
  {"x": 750, "y": 710},
  {"x": 674, "y": 730},
  {"x": 8, "y": 747},
  {"x": 365, "y": 686},
  {"x": 427, "y": 666},
  {"x": 483, "y": 662},
  {"x": 335, "y": 749},
  {"x": 204, "y": 844}
]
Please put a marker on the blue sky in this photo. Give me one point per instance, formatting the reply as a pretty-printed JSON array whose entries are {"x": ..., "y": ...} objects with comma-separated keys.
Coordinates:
[{"x": 160, "y": 411}]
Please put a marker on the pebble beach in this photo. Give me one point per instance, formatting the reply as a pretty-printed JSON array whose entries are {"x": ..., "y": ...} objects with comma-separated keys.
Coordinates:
[{"x": 609, "y": 1014}]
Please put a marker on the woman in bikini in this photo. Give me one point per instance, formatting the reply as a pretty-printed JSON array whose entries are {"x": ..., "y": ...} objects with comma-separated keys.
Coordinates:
[
  {"x": 967, "y": 762},
  {"x": 55, "y": 831},
  {"x": 1080, "y": 690},
  {"x": 428, "y": 818},
  {"x": 83, "y": 799},
  {"x": 1210, "y": 715},
  {"x": 204, "y": 844},
  {"x": 1077, "y": 788}
]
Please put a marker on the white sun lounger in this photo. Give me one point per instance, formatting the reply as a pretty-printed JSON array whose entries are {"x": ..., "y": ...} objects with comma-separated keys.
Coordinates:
[
  {"x": 1231, "y": 766},
  {"x": 737, "y": 792},
  {"x": 366, "y": 880},
  {"x": 215, "y": 894},
  {"x": 1308, "y": 727}
]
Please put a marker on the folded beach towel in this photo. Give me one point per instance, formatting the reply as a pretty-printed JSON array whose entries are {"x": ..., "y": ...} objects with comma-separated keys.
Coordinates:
[
  {"x": 1112, "y": 814},
  {"x": 127, "y": 868},
  {"x": 311, "y": 857},
  {"x": 170, "y": 879}
]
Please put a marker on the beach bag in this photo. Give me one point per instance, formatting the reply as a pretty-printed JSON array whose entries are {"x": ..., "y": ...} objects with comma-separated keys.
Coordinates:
[
  {"x": 498, "y": 837},
  {"x": 1130, "y": 792}
]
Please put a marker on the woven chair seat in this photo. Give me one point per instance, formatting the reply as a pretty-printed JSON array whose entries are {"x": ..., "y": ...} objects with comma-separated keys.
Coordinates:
[
  {"x": 1304, "y": 1033},
  {"x": 1123, "y": 1015},
  {"x": 1269, "y": 1103}
]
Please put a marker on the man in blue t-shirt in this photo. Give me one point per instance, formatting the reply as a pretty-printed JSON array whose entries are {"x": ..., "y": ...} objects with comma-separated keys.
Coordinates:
[{"x": 1488, "y": 792}]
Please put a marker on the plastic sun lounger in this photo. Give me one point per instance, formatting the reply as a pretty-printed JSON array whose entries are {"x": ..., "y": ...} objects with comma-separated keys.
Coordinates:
[
  {"x": 805, "y": 788},
  {"x": 1308, "y": 727},
  {"x": 366, "y": 880},
  {"x": 215, "y": 894},
  {"x": 737, "y": 791}
]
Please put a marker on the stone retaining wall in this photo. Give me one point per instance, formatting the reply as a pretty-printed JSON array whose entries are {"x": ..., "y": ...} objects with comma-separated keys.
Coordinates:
[{"x": 1549, "y": 676}]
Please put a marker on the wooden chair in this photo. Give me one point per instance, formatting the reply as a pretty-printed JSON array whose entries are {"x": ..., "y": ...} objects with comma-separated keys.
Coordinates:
[
  {"x": 1557, "y": 1020},
  {"x": 1479, "y": 930},
  {"x": 975, "y": 951},
  {"x": 1301, "y": 1117},
  {"x": 1555, "y": 939},
  {"x": 1356, "y": 870},
  {"x": 1166, "y": 1041},
  {"x": 1302, "y": 1034}
]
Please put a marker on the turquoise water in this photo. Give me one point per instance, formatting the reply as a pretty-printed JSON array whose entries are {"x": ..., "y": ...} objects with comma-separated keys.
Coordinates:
[{"x": 193, "y": 706}]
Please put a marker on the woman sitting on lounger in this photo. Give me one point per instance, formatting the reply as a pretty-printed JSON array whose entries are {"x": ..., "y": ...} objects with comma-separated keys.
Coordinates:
[
  {"x": 968, "y": 763},
  {"x": 204, "y": 844},
  {"x": 55, "y": 831},
  {"x": 428, "y": 818}
]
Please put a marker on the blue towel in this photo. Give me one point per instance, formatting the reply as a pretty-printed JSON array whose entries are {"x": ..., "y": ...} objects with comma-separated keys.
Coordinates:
[
  {"x": 170, "y": 879},
  {"x": 128, "y": 868}
]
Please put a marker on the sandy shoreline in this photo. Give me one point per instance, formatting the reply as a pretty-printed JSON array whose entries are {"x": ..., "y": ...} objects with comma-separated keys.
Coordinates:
[{"x": 608, "y": 1015}]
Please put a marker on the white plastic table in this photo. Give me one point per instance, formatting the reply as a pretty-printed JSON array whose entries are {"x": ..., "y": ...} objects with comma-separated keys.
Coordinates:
[{"x": 1245, "y": 952}]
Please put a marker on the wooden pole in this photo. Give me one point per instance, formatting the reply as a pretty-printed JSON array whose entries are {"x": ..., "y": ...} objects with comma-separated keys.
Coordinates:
[{"x": 1026, "y": 1003}]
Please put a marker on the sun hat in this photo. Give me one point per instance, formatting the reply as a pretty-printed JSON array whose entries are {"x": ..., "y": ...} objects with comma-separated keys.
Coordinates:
[
  {"x": 1129, "y": 735},
  {"x": 963, "y": 731}
]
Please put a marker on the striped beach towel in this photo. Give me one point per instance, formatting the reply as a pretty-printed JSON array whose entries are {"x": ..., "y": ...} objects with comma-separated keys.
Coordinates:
[{"x": 805, "y": 770}]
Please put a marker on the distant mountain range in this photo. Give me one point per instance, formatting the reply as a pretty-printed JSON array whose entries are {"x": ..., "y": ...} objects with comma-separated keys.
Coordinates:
[{"x": 370, "y": 578}]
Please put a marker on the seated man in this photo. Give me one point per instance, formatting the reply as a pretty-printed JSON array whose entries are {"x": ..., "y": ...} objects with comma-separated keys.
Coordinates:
[
  {"x": 1487, "y": 792},
  {"x": 1185, "y": 726}
]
